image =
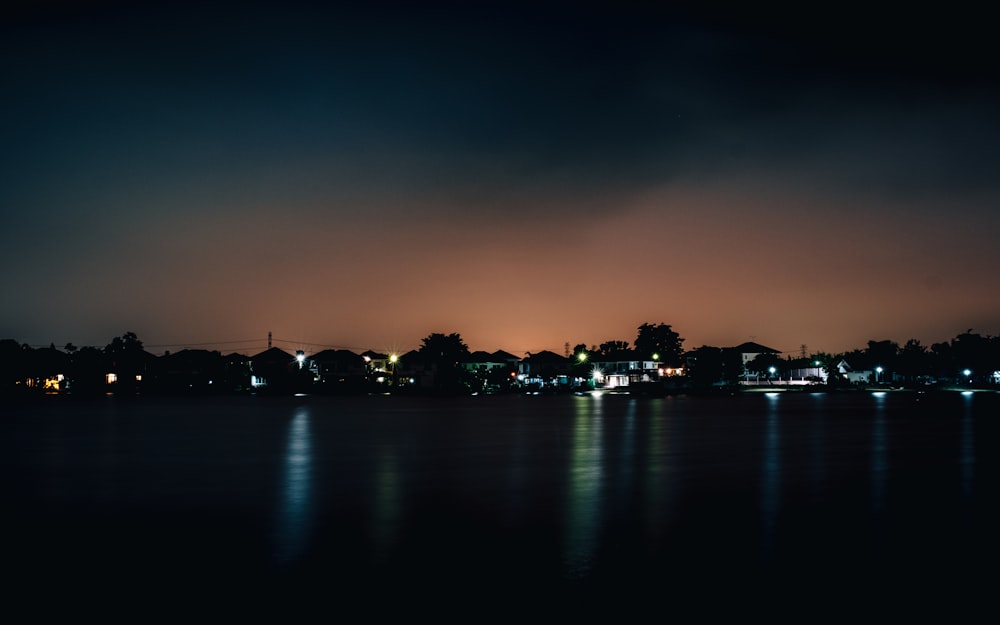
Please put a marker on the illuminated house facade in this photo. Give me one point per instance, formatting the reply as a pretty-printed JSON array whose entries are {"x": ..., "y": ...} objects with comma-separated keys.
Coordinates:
[
  {"x": 749, "y": 351},
  {"x": 544, "y": 369},
  {"x": 625, "y": 369}
]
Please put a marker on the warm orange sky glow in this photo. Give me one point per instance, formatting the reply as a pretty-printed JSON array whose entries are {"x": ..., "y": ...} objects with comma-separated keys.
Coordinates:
[{"x": 734, "y": 180}]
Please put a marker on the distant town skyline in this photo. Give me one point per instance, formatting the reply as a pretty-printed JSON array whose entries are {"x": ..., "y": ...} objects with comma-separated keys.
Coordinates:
[
  {"x": 251, "y": 346},
  {"x": 525, "y": 174}
]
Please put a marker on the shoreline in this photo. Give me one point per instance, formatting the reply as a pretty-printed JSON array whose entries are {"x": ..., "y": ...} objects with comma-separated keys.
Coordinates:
[{"x": 729, "y": 391}]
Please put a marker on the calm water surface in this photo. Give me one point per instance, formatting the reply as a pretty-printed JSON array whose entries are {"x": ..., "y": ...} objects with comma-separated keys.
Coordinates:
[{"x": 809, "y": 502}]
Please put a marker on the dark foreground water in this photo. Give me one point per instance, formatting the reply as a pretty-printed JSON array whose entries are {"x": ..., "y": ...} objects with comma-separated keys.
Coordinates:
[{"x": 799, "y": 505}]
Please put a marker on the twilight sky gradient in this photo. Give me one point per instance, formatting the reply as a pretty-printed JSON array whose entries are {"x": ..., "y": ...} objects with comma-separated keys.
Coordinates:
[{"x": 523, "y": 174}]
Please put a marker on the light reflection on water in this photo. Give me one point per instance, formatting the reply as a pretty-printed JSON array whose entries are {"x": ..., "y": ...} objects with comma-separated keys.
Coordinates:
[
  {"x": 386, "y": 513},
  {"x": 626, "y": 457},
  {"x": 584, "y": 489},
  {"x": 294, "y": 521},
  {"x": 660, "y": 472},
  {"x": 770, "y": 484},
  {"x": 517, "y": 475},
  {"x": 967, "y": 456},
  {"x": 546, "y": 488},
  {"x": 817, "y": 446},
  {"x": 880, "y": 459}
]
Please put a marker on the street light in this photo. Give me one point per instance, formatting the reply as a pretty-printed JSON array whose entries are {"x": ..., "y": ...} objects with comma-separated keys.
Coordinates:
[{"x": 878, "y": 374}]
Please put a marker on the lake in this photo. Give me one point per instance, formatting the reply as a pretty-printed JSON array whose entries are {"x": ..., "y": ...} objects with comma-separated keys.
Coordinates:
[{"x": 808, "y": 504}]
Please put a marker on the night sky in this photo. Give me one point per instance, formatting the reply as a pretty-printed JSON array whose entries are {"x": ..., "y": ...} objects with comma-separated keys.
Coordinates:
[{"x": 524, "y": 174}]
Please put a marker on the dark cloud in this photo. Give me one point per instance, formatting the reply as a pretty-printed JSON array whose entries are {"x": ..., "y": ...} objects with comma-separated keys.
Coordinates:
[{"x": 432, "y": 136}]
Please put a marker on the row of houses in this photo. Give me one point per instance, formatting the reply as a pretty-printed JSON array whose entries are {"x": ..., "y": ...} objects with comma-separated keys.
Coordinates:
[{"x": 341, "y": 370}]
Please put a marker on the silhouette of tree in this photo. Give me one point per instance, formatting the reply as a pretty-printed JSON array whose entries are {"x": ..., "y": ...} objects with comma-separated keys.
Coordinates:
[
  {"x": 127, "y": 360},
  {"x": 445, "y": 352},
  {"x": 713, "y": 366},
  {"x": 612, "y": 348},
  {"x": 659, "y": 342},
  {"x": 13, "y": 368},
  {"x": 976, "y": 353},
  {"x": 828, "y": 363},
  {"x": 914, "y": 360},
  {"x": 126, "y": 343},
  {"x": 88, "y": 365},
  {"x": 763, "y": 363},
  {"x": 882, "y": 354}
]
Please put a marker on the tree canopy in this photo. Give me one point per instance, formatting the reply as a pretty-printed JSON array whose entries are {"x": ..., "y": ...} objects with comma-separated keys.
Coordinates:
[
  {"x": 444, "y": 349},
  {"x": 659, "y": 342}
]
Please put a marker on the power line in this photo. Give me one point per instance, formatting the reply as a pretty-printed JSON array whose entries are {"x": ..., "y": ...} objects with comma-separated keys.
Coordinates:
[
  {"x": 321, "y": 345},
  {"x": 202, "y": 344}
]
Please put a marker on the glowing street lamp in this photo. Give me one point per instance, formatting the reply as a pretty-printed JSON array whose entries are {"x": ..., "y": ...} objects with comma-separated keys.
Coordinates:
[
  {"x": 393, "y": 359},
  {"x": 968, "y": 375},
  {"x": 878, "y": 374}
]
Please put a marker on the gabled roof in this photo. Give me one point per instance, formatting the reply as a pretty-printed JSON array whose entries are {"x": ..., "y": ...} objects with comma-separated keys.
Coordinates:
[
  {"x": 189, "y": 356},
  {"x": 274, "y": 354},
  {"x": 413, "y": 356},
  {"x": 545, "y": 356},
  {"x": 754, "y": 348},
  {"x": 502, "y": 356},
  {"x": 336, "y": 355},
  {"x": 479, "y": 356}
]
